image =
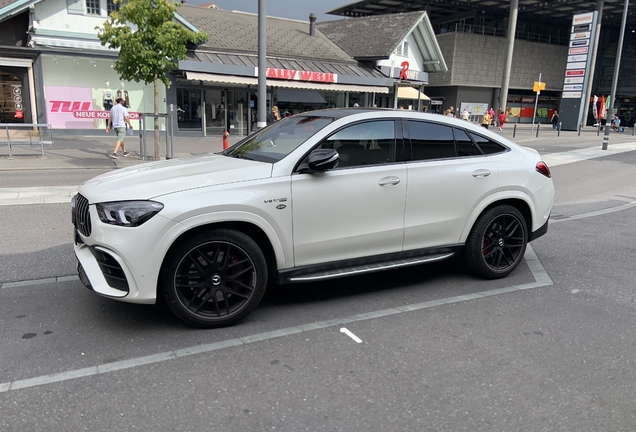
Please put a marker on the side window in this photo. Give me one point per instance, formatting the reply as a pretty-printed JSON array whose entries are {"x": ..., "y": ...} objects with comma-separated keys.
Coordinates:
[
  {"x": 364, "y": 144},
  {"x": 465, "y": 146},
  {"x": 431, "y": 141},
  {"x": 487, "y": 146}
]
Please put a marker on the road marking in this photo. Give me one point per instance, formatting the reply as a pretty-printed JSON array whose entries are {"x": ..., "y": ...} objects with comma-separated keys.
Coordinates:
[
  {"x": 351, "y": 335},
  {"x": 37, "y": 195},
  {"x": 536, "y": 268},
  {"x": 578, "y": 155}
]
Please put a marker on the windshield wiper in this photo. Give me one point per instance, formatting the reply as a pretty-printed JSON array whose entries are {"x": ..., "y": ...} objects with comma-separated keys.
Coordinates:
[{"x": 240, "y": 156}]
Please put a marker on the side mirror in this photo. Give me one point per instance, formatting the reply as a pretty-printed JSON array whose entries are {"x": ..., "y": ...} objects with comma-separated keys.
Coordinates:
[{"x": 321, "y": 160}]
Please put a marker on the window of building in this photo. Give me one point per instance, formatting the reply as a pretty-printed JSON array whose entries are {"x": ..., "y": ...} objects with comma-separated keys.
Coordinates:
[
  {"x": 403, "y": 49},
  {"x": 431, "y": 141},
  {"x": 364, "y": 144},
  {"x": 111, "y": 6},
  {"x": 92, "y": 7}
]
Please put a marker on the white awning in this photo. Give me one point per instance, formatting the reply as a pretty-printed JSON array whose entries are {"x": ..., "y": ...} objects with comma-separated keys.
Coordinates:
[
  {"x": 411, "y": 93},
  {"x": 223, "y": 79},
  {"x": 306, "y": 85}
]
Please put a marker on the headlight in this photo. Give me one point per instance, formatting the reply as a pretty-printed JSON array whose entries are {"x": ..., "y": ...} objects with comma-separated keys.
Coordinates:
[{"x": 127, "y": 213}]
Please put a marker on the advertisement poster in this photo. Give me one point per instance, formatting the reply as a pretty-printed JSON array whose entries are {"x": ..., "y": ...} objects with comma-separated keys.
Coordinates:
[
  {"x": 61, "y": 102},
  {"x": 473, "y": 108}
]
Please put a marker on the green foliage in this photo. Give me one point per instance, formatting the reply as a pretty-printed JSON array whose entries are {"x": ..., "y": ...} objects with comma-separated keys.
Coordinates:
[{"x": 149, "y": 40}]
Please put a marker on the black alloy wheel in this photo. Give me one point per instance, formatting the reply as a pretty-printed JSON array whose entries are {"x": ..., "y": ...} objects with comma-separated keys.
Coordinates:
[
  {"x": 497, "y": 243},
  {"x": 214, "y": 279}
]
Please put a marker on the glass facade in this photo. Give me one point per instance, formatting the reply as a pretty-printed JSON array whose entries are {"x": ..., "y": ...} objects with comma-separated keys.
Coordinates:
[{"x": 79, "y": 92}]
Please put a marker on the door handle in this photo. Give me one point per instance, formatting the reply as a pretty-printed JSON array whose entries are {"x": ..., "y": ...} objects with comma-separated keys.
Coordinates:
[
  {"x": 389, "y": 181},
  {"x": 481, "y": 173}
]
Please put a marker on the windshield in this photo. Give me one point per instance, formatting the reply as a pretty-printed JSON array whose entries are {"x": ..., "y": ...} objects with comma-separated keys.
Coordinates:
[{"x": 279, "y": 139}]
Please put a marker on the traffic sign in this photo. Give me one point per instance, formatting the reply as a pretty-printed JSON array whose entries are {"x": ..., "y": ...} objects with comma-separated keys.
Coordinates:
[{"x": 538, "y": 86}]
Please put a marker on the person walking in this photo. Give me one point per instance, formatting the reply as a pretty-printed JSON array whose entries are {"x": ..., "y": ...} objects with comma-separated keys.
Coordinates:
[
  {"x": 276, "y": 113},
  {"x": 485, "y": 120},
  {"x": 492, "y": 115},
  {"x": 502, "y": 119},
  {"x": 118, "y": 119},
  {"x": 555, "y": 120},
  {"x": 450, "y": 112},
  {"x": 465, "y": 115}
]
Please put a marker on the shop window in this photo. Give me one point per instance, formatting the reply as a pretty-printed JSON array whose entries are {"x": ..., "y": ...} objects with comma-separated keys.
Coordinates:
[
  {"x": 431, "y": 141},
  {"x": 111, "y": 6},
  {"x": 92, "y": 7}
]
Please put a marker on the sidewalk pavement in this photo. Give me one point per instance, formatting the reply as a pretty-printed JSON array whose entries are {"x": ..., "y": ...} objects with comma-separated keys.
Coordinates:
[{"x": 91, "y": 152}]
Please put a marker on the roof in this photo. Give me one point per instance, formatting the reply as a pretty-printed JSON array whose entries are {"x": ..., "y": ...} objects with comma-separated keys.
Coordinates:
[
  {"x": 353, "y": 35},
  {"x": 388, "y": 31},
  {"x": 528, "y": 9},
  {"x": 236, "y": 32}
]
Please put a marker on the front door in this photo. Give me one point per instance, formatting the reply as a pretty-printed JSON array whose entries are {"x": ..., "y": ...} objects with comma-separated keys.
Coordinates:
[{"x": 357, "y": 209}]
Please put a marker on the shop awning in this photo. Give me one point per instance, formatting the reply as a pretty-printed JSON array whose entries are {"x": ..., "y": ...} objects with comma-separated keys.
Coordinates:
[
  {"x": 302, "y": 85},
  {"x": 411, "y": 93},
  {"x": 223, "y": 79},
  {"x": 300, "y": 96}
]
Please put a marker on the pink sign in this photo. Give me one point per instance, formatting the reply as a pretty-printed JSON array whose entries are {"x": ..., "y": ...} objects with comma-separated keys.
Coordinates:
[{"x": 61, "y": 102}]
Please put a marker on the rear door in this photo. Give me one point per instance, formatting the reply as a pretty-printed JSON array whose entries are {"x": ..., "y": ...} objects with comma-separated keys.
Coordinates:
[{"x": 447, "y": 175}]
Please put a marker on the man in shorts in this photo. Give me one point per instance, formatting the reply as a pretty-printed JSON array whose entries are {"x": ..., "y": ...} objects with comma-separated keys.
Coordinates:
[{"x": 118, "y": 120}]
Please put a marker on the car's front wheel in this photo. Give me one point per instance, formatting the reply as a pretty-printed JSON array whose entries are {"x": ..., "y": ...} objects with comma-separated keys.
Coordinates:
[
  {"x": 214, "y": 279},
  {"x": 497, "y": 242}
]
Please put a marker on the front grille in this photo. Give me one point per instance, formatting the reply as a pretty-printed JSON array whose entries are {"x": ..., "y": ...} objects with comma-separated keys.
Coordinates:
[
  {"x": 81, "y": 215},
  {"x": 112, "y": 271}
]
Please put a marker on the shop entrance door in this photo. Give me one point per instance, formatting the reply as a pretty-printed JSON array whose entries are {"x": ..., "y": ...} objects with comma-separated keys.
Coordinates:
[
  {"x": 14, "y": 99},
  {"x": 189, "y": 109}
]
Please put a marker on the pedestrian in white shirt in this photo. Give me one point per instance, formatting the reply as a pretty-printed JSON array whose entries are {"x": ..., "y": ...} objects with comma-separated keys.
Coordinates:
[{"x": 118, "y": 120}]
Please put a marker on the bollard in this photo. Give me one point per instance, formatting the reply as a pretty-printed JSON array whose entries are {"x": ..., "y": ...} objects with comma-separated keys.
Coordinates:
[
  {"x": 537, "y": 135},
  {"x": 580, "y": 126},
  {"x": 598, "y": 129},
  {"x": 226, "y": 134},
  {"x": 559, "y": 129},
  {"x": 633, "y": 127},
  {"x": 514, "y": 130}
]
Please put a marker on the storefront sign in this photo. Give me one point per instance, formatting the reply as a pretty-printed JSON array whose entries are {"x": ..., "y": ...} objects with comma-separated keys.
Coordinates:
[
  {"x": 299, "y": 75},
  {"x": 573, "y": 51},
  {"x": 71, "y": 108},
  {"x": 573, "y": 106}
]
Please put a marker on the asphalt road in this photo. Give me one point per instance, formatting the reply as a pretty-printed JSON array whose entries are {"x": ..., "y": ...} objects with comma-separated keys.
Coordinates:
[{"x": 558, "y": 356}]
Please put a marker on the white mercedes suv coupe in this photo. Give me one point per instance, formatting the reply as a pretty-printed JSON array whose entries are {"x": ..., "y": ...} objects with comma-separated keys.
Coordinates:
[{"x": 315, "y": 196}]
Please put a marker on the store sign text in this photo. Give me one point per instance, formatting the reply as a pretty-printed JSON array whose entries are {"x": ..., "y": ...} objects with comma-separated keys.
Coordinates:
[{"x": 298, "y": 75}]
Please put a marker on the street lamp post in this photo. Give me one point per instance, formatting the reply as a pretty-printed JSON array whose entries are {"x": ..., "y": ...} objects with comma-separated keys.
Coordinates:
[
  {"x": 619, "y": 51},
  {"x": 262, "y": 66}
]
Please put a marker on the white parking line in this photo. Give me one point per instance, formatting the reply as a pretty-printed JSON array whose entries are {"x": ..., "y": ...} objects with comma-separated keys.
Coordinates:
[
  {"x": 351, "y": 335},
  {"x": 536, "y": 268}
]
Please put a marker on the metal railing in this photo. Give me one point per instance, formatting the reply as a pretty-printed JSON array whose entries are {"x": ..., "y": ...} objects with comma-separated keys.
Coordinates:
[
  {"x": 169, "y": 130},
  {"x": 33, "y": 134}
]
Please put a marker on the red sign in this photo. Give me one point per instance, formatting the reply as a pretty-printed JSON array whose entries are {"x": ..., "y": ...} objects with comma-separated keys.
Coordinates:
[
  {"x": 298, "y": 75},
  {"x": 575, "y": 72},
  {"x": 405, "y": 68},
  {"x": 574, "y": 51}
]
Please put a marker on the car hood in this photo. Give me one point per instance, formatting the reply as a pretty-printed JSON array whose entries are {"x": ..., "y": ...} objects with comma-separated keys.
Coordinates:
[{"x": 154, "y": 179}]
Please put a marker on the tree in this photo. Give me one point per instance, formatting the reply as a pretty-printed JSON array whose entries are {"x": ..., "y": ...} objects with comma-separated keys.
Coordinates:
[{"x": 150, "y": 44}]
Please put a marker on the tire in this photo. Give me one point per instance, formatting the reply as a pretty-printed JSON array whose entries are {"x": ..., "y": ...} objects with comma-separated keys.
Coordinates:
[
  {"x": 497, "y": 242},
  {"x": 214, "y": 279}
]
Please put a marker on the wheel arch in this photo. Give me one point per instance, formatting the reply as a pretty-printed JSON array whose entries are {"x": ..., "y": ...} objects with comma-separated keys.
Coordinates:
[
  {"x": 252, "y": 230},
  {"x": 520, "y": 202}
]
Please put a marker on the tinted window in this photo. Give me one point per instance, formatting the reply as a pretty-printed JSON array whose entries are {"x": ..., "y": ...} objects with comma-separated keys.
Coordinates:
[
  {"x": 486, "y": 145},
  {"x": 431, "y": 141},
  {"x": 465, "y": 146},
  {"x": 278, "y": 140},
  {"x": 364, "y": 143}
]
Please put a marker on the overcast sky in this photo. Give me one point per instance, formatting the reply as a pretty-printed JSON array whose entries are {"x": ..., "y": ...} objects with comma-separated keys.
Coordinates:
[{"x": 295, "y": 9}]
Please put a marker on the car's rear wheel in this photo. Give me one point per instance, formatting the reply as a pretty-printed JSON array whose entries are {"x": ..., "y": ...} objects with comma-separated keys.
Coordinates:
[
  {"x": 497, "y": 242},
  {"x": 214, "y": 279}
]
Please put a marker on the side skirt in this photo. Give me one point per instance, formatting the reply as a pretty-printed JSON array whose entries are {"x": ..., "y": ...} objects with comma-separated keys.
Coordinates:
[{"x": 357, "y": 266}]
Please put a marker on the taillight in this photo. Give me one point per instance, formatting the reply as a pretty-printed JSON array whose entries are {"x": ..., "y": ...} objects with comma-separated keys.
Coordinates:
[{"x": 542, "y": 168}]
